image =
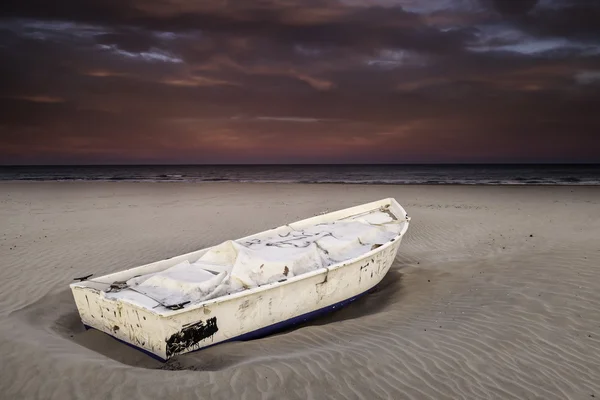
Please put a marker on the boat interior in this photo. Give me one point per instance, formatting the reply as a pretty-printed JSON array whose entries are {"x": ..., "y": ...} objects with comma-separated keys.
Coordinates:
[{"x": 265, "y": 258}]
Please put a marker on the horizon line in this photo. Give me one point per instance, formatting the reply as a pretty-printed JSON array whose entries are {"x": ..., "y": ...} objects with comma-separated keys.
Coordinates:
[{"x": 296, "y": 164}]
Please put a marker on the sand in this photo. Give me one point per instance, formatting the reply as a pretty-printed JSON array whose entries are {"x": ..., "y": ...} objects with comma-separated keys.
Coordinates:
[{"x": 495, "y": 294}]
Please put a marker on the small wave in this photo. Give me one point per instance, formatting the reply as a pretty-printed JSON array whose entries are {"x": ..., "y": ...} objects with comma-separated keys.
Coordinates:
[
  {"x": 331, "y": 175},
  {"x": 170, "y": 176},
  {"x": 448, "y": 182}
]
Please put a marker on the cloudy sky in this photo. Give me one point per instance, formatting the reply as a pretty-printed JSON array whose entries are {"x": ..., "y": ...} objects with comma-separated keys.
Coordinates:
[{"x": 299, "y": 81}]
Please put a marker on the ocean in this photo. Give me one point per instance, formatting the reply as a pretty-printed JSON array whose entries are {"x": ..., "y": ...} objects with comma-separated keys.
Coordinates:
[{"x": 466, "y": 174}]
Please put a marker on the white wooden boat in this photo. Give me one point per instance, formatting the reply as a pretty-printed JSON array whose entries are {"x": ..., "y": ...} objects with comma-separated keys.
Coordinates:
[{"x": 238, "y": 290}]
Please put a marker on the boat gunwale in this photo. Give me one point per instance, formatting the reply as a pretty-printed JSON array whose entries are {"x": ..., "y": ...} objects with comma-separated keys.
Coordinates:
[{"x": 268, "y": 286}]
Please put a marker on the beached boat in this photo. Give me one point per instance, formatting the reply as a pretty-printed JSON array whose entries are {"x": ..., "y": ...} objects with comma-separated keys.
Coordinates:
[{"x": 248, "y": 287}]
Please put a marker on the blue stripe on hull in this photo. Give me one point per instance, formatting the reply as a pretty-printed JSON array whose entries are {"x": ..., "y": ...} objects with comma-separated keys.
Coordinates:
[{"x": 262, "y": 332}]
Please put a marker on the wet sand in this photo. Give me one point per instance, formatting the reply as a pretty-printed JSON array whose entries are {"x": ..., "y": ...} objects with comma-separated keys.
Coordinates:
[{"x": 495, "y": 294}]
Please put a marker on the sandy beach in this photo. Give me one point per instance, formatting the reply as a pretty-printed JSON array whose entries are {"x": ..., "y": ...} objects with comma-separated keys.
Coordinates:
[{"x": 495, "y": 294}]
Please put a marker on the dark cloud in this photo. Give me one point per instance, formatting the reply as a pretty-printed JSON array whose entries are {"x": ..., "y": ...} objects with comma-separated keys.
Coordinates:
[
  {"x": 325, "y": 25},
  {"x": 513, "y": 7},
  {"x": 179, "y": 81},
  {"x": 575, "y": 21}
]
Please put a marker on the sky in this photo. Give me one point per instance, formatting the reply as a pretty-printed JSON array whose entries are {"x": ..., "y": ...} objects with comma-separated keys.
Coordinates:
[{"x": 299, "y": 81}]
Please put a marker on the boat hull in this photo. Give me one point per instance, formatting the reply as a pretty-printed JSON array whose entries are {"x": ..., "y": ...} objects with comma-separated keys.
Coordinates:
[
  {"x": 241, "y": 318},
  {"x": 266, "y": 331},
  {"x": 245, "y": 315}
]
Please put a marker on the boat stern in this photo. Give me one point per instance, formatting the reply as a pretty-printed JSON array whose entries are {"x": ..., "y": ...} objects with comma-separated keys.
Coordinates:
[{"x": 132, "y": 325}]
